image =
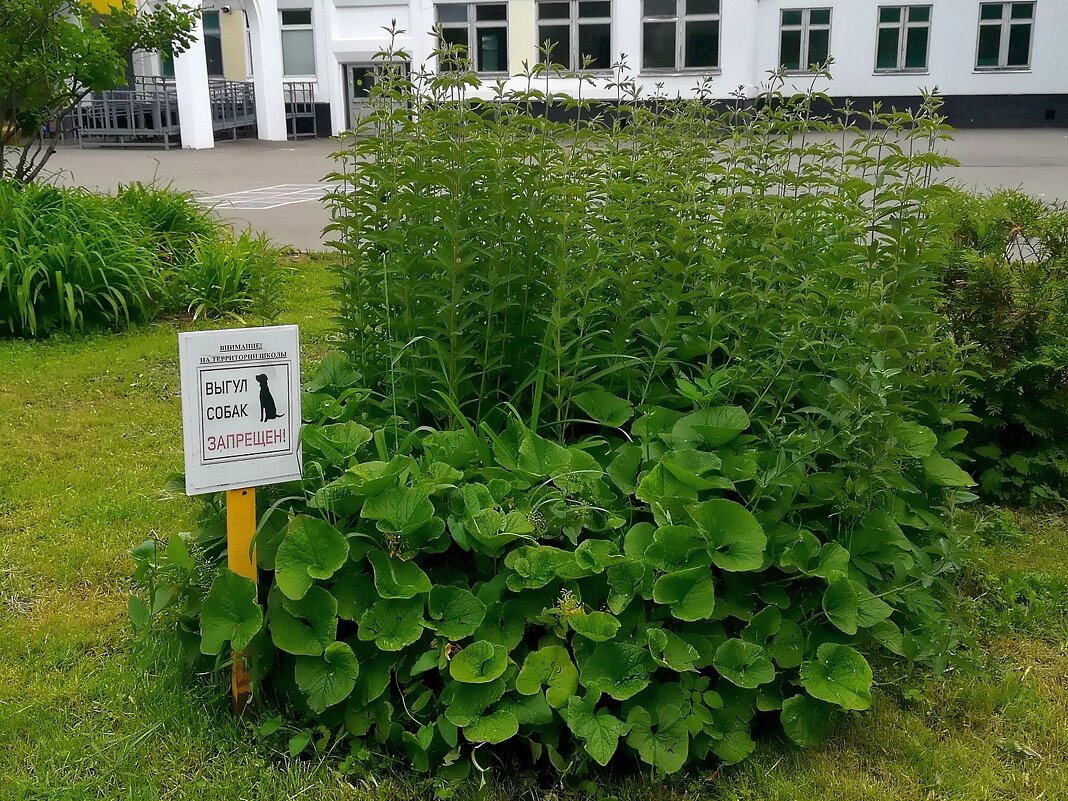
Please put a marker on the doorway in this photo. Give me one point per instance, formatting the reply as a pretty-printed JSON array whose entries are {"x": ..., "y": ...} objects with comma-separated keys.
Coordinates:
[{"x": 360, "y": 80}]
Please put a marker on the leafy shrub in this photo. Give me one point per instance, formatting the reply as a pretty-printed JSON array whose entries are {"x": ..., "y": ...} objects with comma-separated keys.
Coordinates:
[
  {"x": 175, "y": 219},
  {"x": 645, "y": 436},
  {"x": 230, "y": 275},
  {"x": 70, "y": 259},
  {"x": 1006, "y": 294}
]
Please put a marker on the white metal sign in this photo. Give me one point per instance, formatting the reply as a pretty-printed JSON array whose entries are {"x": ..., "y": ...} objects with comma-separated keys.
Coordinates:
[{"x": 240, "y": 407}]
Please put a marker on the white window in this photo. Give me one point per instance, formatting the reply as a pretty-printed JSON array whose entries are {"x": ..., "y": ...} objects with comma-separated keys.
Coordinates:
[
  {"x": 1005, "y": 36},
  {"x": 578, "y": 31},
  {"x": 298, "y": 43},
  {"x": 804, "y": 38},
  {"x": 680, "y": 34},
  {"x": 479, "y": 30},
  {"x": 904, "y": 36}
]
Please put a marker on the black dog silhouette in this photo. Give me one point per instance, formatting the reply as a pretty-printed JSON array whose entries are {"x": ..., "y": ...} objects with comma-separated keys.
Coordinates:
[{"x": 268, "y": 411}]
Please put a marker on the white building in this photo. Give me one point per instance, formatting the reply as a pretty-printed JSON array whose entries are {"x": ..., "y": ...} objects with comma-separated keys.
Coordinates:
[{"x": 997, "y": 63}]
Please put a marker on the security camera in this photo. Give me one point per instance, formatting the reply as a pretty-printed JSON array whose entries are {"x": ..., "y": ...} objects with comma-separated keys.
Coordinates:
[{"x": 226, "y": 9}]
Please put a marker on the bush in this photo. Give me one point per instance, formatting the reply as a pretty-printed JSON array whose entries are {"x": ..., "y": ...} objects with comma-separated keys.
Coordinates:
[
  {"x": 645, "y": 436},
  {"x": 71, "y": 259},
  {"x": 231, "y": 276},
  {"x": 1006, "y": 294}
]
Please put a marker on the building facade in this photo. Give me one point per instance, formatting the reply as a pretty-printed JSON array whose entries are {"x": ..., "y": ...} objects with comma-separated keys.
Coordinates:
[{"x": 997, "y": 63}]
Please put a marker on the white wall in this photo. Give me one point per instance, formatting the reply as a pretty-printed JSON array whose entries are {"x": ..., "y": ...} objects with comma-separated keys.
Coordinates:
[{"x": 351, "y": 31}]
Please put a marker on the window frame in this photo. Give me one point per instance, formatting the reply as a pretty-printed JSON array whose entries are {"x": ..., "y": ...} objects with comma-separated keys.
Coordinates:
[
  {"x": 471, "y": 26},
  {"x": 681, "y": 18},
  {"x": 1006, "y": 23},
  {"x": 574, "y": 22},
  {"x": 903, "y": 26},
  {"x": 283, "y": 28},
  {"x": 805, "y": 27},
  {"x": 215, "y": 32}
]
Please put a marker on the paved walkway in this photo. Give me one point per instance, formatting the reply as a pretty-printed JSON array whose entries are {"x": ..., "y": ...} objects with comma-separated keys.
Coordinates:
[{"x": 275, "y": 187}]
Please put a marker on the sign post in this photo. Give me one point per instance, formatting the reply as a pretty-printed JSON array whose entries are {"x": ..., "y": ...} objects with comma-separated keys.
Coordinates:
[{"x": 241, "y": 429}]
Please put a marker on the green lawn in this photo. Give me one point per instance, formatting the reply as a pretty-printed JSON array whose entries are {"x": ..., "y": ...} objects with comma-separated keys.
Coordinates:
[{"x": 90, "y": 431}]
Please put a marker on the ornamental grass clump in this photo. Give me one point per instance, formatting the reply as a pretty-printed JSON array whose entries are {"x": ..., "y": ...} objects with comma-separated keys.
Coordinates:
[{"x": 643, "y": 438}]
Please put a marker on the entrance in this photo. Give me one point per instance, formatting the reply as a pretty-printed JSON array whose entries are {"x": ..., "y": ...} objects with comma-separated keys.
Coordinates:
[{"x": 360, "y": 79}]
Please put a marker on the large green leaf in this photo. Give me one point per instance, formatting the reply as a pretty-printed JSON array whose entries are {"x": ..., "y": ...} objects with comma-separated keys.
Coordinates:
[
  {"x": 392, "y": 623},
  {"x": 599, "y": 730},
  {"x": 335, "y": 372},
  {"x": 805, "y": 720},
  {"x": 529, "y": 710},
  {"x": 455, "y": 613},
  {"x": 745, "y": 664},
  {"x": 870, "y": 608},
  {"x": 493, "y": 728},
  {"x": 788, "y": 645},
  {"x": 465, "y": 703},
  {"x": 550, "y": 667},
  {"x": 400, "y": 510},
  {"x": 312, "y": 549},
  {"x": 479, "y": 662},
  {"x": 595, "y": 626},
  {"x": 945, "y": 472},
  {"x": 671, "y": 651},
  {"x": 916, "y": 440},
  {"x": 840, "y": 603},
  {"x": 664, "y": 744},
  {"x": 338, "y": 442},
  {"x": 303, "y": 627},
  {"x": 328, "y": 679},
  {"x": 229, "y": 613},
  {"x": 736, "y": 540},
  {"x": 397, "y": 578},
  {"x": 541, "y": 457},
  {"x": 619, "y": 669},
  {"x": 714, "y": 427},
  {"x": 689, "y": 593},
  {"x": 838, "y": 675},
  {"x": 604, "y": 407}
]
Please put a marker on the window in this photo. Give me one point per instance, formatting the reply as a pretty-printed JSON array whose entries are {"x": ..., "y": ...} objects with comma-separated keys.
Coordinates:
[
  {"x": 298, "y": 42},
  {"x": 480, "y": 29},
  {"x": 1005, "y": 36},
  {"x": 904, "y": 33},
  {"x": 804, "y": 38},
  {"x": 680, "y": 34},
  {"x": 577, "y": 29},
  {"x": 213, "y": 43}
]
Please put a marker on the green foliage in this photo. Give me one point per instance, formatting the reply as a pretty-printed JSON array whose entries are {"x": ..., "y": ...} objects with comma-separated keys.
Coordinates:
[
  {"x": 230, "y": 275},
  {"x": 58, "y": 51},
  {"x": 71, "y": 259},
  {"x": 648, "y": 427},
  {"x": 1006, "y": 294}
]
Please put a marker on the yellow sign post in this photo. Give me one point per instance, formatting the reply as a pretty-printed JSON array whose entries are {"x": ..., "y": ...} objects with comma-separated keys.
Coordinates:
[{"x": 240, "y": 558}]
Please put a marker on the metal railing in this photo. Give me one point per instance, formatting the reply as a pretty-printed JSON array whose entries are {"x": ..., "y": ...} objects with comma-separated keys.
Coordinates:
[
  {"x": 300, "y": 108},
  {"x": 147, "y": 113}
]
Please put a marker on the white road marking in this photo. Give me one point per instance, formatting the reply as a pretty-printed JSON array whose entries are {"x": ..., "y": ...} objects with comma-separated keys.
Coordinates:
[{"x": 268, "y": 197}]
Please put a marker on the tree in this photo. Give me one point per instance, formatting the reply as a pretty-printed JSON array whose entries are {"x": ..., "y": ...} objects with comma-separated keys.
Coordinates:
[{"x": 55, "y": 52}]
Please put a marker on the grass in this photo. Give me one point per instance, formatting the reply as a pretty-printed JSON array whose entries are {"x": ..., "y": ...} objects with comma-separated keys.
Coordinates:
[{"x": 90, "y": 431}]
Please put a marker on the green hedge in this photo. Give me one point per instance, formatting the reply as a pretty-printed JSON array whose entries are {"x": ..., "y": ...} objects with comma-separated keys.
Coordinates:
[
  {"x": 1005, "y": 289},
  {"x": 70, "y": 259}
]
